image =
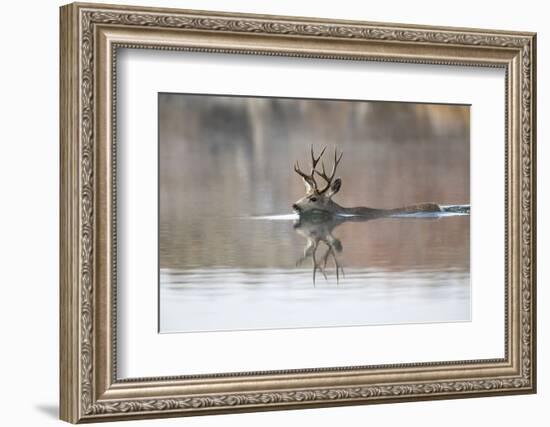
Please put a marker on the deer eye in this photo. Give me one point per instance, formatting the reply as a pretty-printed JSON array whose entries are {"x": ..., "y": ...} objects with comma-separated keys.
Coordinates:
[{"x": 313, "y": 199}]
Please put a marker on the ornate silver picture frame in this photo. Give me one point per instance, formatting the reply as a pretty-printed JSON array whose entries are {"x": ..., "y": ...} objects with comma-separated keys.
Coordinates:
[{"x": 92, "y": 36}]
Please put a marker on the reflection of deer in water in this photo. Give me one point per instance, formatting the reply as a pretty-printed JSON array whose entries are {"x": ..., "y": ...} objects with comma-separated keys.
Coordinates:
[
  {"x": 319, "y": 230},
  {"x": 319, "y": 214}
]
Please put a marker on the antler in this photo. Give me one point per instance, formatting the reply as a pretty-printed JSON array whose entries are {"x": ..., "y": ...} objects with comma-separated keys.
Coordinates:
[
  {"x": 310, "y": 179},
  {"x": 323, "y": 174}
]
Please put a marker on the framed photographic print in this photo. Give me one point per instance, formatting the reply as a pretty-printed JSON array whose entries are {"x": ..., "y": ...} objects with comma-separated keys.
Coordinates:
[{"x": 265, "y": 212}]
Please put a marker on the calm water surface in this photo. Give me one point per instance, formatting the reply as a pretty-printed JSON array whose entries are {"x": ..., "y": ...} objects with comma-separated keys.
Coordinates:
[{"x": 395, "y": 289}]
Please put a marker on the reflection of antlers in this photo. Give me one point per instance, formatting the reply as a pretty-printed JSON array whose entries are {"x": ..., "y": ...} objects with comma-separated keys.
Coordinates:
[
  {"x": 310, "y": 178},
  {"x": 317, "y": 265},
  {"x": 310, "y": 251}
]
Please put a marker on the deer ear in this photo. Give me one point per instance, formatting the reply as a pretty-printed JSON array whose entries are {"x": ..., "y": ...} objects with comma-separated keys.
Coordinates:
[{"x": 334, "y": 187}]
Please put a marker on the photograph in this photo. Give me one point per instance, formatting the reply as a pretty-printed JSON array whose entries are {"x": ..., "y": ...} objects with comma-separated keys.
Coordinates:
[{"x": 279, "y": 213}]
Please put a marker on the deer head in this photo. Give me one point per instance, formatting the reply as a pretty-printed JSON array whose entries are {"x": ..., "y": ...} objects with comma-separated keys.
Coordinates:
[{"x": 318, "y": 200}]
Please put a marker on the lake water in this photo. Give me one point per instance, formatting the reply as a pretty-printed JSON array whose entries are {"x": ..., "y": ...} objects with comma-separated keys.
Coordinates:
[
  {"x": 396, "y": 289},
  {"x": 233, "y": 256}
]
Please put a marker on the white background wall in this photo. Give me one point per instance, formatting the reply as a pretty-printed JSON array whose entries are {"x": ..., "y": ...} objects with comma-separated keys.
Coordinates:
[{"x": 29, "y": 170}]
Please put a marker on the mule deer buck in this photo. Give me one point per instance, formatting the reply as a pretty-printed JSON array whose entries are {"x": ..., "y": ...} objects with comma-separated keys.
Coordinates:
[
  {"x": 319, "y": 214},
  {"x": 318, "y": 199}
]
